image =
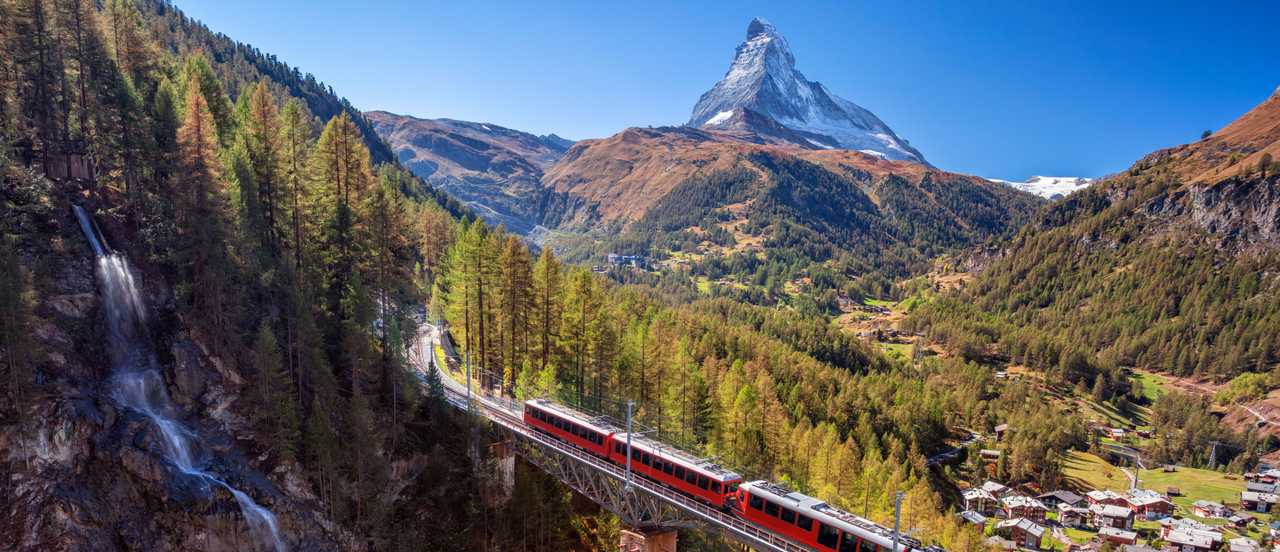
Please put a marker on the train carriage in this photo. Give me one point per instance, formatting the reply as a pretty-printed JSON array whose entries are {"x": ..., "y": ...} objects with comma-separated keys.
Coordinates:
[
  {"x": 571, "y": 426},
  {"x": 813, "y": 523},
  {"x": 677, "y": 469}
]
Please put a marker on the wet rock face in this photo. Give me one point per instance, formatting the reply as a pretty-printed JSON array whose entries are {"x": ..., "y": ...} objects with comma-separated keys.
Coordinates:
[{"x": 189, "y": 375}]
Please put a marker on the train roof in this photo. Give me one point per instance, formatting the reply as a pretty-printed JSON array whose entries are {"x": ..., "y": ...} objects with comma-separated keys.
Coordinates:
[
  {"x": 705, "y": 465},
  {"x": 603, "y": 425},
  {"x": 598, "y": 423},
  {"x": 830, "y": 515}
]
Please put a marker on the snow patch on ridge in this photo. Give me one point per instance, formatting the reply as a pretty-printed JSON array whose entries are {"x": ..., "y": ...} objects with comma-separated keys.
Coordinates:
[
  {"x": 719, "y": 118},
  {"x": 1049, "y": 186}
]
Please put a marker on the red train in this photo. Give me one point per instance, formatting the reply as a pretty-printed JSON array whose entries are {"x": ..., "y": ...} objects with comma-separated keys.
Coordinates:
[
  {"x": 813, "y": 523},
  {"x": 803, "y": 519},
  {"x": 696, "y": 477}
]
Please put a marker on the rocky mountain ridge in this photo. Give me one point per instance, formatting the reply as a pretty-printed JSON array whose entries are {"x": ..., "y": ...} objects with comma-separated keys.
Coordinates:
[{"x": 495, "y": 170}]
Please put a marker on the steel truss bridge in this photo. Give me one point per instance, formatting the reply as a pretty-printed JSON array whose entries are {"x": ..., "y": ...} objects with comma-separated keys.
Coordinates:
[{"x": 643, "y": 505}]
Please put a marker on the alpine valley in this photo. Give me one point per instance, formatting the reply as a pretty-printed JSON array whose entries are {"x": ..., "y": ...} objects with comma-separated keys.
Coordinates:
[{"x": 240, "y": 313}]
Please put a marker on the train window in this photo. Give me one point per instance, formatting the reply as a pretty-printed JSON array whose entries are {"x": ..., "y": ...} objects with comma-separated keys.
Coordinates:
[
  {"x": 679, "y": 472},
  {"x": 691, "y": 477},
  {"x": 617, "y": 447},
  {"x": 828, "y": 536},
  {"x": 666, "y": 468},
  {"x": 657, "y": 463},
  {"x": 848, "y": 542},
  {"x": 788, "y": 516},
  {"x": 715, "y": 487},
  {"x": 559, "y": 424},
  {"x": 803, "y": 522},
  {"x": 867, "y": 546},
  {"x": 771, "y": 509},
  {"x": 703, "y": 482},
  {"x": 645, "y": 459},
  {"x": 757, "y": 503}
]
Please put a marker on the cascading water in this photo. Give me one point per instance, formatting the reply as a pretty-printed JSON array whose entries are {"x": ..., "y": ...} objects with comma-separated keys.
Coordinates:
[{"x": 137, "y": 384}]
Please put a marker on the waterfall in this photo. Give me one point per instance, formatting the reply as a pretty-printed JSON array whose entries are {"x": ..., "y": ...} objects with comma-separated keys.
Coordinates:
[{"x": 136, "y": 382}]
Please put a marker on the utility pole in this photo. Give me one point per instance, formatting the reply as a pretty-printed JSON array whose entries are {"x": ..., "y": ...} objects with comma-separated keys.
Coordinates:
[
  {"x": 468, "y": 381},
  {"x": 897, "y": 519},
  {"x": 630, "y": 403}
]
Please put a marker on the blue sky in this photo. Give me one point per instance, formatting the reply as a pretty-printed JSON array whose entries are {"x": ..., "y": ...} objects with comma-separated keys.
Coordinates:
[{"x": 1000, "y": 89}]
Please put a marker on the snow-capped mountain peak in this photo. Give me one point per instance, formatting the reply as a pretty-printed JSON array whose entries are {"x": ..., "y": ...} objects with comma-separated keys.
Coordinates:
[
  {"x": 763, "y": 79},
  {"x": 1051, "y": 187}
]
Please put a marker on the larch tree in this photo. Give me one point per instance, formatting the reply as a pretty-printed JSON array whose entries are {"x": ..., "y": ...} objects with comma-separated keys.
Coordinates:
[
  {"x": 513, "y": 310},
  {"x": 548, "y": 293},
  {"x": 201, "y": 210}
]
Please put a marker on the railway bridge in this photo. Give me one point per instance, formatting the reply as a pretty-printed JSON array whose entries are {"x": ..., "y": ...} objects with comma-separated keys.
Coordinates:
[{"x": 652, "y": 510}]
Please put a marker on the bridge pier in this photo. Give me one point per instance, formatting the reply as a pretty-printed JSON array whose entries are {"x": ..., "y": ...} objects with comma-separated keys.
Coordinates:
[
  {"x": 647, "y": 540},
  {"x": 504, "y": 458}
]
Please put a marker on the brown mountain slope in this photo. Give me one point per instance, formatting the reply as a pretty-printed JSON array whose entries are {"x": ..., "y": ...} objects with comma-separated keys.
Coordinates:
[
  {"x": 623, "y": 176},
  {"x": 495, "y": 170},
  {"x": 1239, "y": 145}
]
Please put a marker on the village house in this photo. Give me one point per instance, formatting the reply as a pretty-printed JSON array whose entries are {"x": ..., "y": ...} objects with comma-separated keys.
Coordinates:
[
  {"x": 1244, "y": 544},
  {"x": 1149, "y": 504},
  {"x": 1258, "y": 502},
  {"x": 1169, "y": 526},
  {"x": 1189, "y": 541},
  {"x": 1260, "y": 487},
  {"x": 1105, "y": 497},
  {"x": 978, "y": 500},
  {"x": 996, "y": 490},
  {"x": 1269, "y": 476},
  {"x": 1118, "y": 536},
  {"x": 1240, "y": 519},
  {"x": 1023, "y": 531},
  {"x": 1110, "y": 515},
  {"x": 1017, "y": 506},
  {"x": 1052, "y": 499},
  {"x": 1072, "y": 516},
  {"x": 972, "y": 517},
  {"x": 1210, "y": 509}
]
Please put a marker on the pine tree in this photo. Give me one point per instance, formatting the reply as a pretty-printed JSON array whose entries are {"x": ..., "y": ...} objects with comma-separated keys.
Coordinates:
[
  {"x": 582, "y": 309},
  {"x": 295, "y": 143},
  {"x": 277, "y": 411},
  {"x": 548, "y": 292}
]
